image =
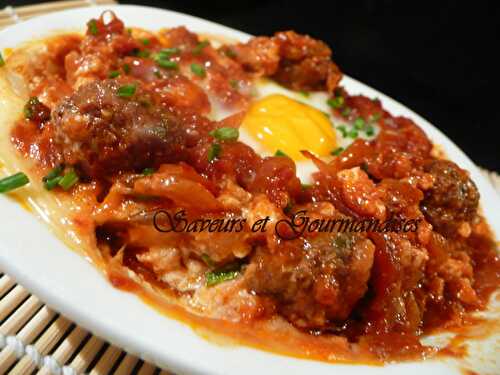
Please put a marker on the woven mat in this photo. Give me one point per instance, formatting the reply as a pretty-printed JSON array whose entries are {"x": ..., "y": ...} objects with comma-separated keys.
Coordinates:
[{"x": 36, "y": 339}]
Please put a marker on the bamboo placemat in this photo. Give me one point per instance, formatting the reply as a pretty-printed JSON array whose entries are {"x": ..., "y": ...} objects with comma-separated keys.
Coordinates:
[{"x": 34, "y": 339}]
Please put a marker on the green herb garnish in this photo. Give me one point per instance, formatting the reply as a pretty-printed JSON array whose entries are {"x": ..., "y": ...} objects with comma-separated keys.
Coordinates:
[
  {"x": 167, "y": 53},
  {"x": 225, "y": 134},
  {"x": 346, "y": 112},
  {"x": 208, "y": 261},
  {"x": 53, "y": 177},
  {"x": 336, "y": 102},
  {"x": 234, "y": 83},
  {"x": 280, "y": 153},
  {"x": 92, "y": 25},
  {"x": 167, "y": 64},
  {"x": 2, "y": 61},
  {"x": 370, "y": 130},
  {"x": 145, "y": 41},
  {"x": 199, "y": 70},
  {"x": 226, "y": 273},
  {"x": 353, "y": 133},
  {"x": 229, "y": 52},
  {"x": 113, "y": 74},
  {"x": 199, "y": 47},
  {"x": 148, "y": 171},
  {"x": 376, "y": 117},
  {"x": 304, "y": 94},
  {"x": 68, "y": 180},
  {"x": 337, "y": 151},
  {"x": 126, "y": 68},
  {"x": 359, "y": 123},
  {"x": 343, "y": 130},
  {"x": 144, "y": 53},
  {"x": 126, "y": 91},
  {"x": 214, "y": 152},
  {"x": 13, "y": 182},
  {"x": 29, "y": 107}
]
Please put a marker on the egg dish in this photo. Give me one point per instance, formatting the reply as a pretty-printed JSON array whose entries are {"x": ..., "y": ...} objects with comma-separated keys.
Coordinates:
[{"x": 103, "y": 131}]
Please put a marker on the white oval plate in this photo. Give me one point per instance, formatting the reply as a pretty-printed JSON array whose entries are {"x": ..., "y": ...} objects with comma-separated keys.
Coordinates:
[{"x": 72, "y": 286}]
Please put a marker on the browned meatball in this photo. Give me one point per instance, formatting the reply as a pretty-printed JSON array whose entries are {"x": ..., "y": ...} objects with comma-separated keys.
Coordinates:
[
  {"x": 294, "y": 60},
  {"x": 453, "y": 198},
  {"x": 103, "y": 128},
  {"x": 315, "y": 281}
]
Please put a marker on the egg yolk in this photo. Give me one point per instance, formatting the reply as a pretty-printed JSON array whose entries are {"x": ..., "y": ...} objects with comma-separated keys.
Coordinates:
[{"x": 281, "y": 123}]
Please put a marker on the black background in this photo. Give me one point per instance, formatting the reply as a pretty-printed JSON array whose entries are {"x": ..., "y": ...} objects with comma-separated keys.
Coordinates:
[{"x": 437, "y": 58}]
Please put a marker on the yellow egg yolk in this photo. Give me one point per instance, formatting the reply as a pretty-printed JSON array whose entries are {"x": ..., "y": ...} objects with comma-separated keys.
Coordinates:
[{"x": 281, "y": 123}]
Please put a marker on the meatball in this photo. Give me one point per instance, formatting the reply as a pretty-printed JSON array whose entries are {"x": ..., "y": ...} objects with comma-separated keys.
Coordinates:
[
  {"x": 102, "y": 129},
  {"x": 314, "y": 281},
  {"x": 452, "y": 200},
  {"x": 294, "y": 60}
]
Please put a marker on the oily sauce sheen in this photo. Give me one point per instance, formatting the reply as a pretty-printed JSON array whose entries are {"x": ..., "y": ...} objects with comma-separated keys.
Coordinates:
[{"x": 117, "y": 102}]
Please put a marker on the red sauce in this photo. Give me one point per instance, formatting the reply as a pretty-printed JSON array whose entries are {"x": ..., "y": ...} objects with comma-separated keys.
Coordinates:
[{"x": 417, "y": 283}]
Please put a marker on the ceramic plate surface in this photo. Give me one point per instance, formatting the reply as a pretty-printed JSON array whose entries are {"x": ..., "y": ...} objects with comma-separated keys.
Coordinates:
[{"x": 71, "y": 285}]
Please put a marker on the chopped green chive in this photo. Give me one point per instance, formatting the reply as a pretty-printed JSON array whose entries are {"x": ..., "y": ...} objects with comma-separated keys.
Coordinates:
[
  {"x": 370, "y": 131},
  {"x": 229, "y": 52},
  {"x": 55, "y": 172},
  {"x": 214, "y": 152},
  {"x": 208, "y": 261},
  {"x": 359, "y": 123},
  {"x": 305, "y": 186},
  {"x": 353, "y": 133},
  {"x": 304, "y": 93},
  {"x": 144, "y": 53},
  {"x": 234, "y": 83},
  {"x": 337, "y": 151},
  {"x": 52, "y": 183},
  {"x": 280, "y": 153},
  {"x": 336, "y": 102},
  {"x": 199, "y": 70},
  {"x": 167, "y": 64},
  {"x": 146, "y": 41},
  {"x": 225, "y": 134},
  {"x": 343, "y": 130},
  {"x": 126, "y": 68},
  {"x": 29, "y": 106},
  {"x": 148, "y": 171},
  {"x": 167, "y": 53},
  {"x": 92, "y": 25},
  {"x": 126, "y": 91},
  {"x": 346, "y": 112},
  {"x": 226, "y": 273},
  {"x": 113, "y": 74},
  {"x": 199, "y": 47},
  {"x": 68, "y": 180},
  {"x": 2, "y": 61},
  {"x": 376, "y": 117},
  {"x": 13, "y": 182}
]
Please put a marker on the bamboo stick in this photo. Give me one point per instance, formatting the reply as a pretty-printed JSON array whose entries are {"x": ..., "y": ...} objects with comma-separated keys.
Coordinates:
[
  {"x": 12, "y": 300},
  {"x": 21, "y": 316},
  {"x": 66, "y": 349},
  {"x": 5, "y": 284},
  {"x": 87, "y": 354},
  {"x": 27, "y": 334},
  {"x": 43, "y": 345},
  {"x": 146, "y": 369},
  {"x": 127, "y": 365},
  {"x": 107, "y": 361}
]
